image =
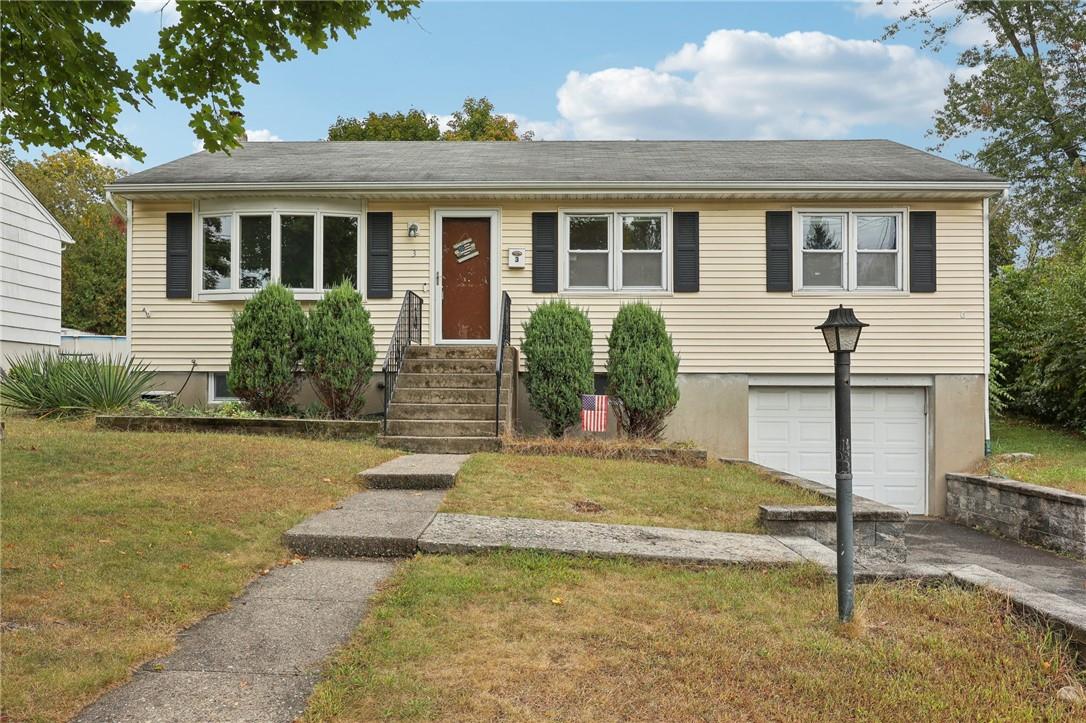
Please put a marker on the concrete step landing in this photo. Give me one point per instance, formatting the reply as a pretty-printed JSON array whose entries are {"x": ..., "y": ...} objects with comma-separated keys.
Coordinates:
[
  {"x": 376, "y": 523},
  {"x": 415, "y": 472}
]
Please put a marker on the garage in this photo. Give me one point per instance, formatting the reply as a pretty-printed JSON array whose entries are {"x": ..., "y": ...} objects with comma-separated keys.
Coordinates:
[{"x": 791, "y": 429}]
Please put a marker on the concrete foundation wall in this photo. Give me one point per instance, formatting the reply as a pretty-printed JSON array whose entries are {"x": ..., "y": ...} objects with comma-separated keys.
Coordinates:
[
  {"x": 712, "y": 413},
  {"x": 956, "y": 427}
]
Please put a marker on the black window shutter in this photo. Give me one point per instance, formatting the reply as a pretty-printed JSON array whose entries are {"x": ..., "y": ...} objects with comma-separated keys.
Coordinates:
[
  {"x": 544, "y": 253},
  {"x": 685, "y": 254},
  {"x": 379, "y": 255},
  {"x": 778, "y": 251},
  {"x": 178, "y": 255},
  {"x": 922, "y": 251}
]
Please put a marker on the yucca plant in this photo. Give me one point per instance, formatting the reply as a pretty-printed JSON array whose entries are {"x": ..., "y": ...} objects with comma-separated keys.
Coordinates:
[
  {"x": 46, "y": 383},
  {"x": 36, "y": 383}
]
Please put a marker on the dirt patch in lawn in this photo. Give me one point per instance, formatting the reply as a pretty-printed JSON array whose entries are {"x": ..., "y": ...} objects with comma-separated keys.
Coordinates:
[
  {"x": 114, "y": 541},
  {"x": 719, "y": 497},
  {"x": 525, "y": 636}
]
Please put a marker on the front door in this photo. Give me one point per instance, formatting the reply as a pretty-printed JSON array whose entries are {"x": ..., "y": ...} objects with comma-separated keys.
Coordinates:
[{"x": 465, "y": 278}]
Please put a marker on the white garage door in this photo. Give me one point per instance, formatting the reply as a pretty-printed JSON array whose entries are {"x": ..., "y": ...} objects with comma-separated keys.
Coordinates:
[{"x": 791, "y": 429}]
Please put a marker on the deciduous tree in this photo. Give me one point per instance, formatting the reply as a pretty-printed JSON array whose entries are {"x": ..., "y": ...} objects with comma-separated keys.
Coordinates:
[
  {"x": 414, "y": 125},
  {"x": 62, "y": 86},
  {"x": 1024, "y": 94},
  {"x": 477, "y": 121}
]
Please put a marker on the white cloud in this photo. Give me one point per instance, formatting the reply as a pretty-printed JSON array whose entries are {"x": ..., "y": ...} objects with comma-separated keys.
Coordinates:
[
  {"x": 167, "y": 8},
  {"x": 744, "y": 84},
  {"x": 124, "y": 162},
  {"x": 257, "y": 134},
  {"x": 261, "y": 134}
]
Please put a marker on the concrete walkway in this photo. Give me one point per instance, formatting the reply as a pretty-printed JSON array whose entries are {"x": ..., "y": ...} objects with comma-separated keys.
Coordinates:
[
  {"x": 937, "y": 542},
  {"x": 475, "y": 533},
  {"x": 259, "y": 660}
]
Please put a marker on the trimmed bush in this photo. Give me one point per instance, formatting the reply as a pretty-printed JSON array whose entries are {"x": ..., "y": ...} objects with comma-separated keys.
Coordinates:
[
  {"x": 46, "y": 383},
  {"x": 558, "y": 354},
  {"x": 642, "y": 370},
  {"x": 267, "y": 347},
  {"x": 338, "y": 351}
]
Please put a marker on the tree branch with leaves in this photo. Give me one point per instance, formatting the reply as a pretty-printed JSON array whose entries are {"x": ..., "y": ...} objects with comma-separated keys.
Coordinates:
[
  {"x": 1024, "y": 93},
  {"x": 63, "y": 87}
]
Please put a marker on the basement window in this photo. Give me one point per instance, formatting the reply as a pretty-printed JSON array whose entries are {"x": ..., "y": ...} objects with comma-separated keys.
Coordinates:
[{"x": 219, "y": 389}]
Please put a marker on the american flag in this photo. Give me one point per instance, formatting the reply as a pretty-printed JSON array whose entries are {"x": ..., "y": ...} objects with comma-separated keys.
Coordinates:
[{"x": 594, "y": 412}]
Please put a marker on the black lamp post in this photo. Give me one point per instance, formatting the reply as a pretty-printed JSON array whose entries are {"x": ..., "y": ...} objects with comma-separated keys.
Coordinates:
[{"x": 841, "y": 330}]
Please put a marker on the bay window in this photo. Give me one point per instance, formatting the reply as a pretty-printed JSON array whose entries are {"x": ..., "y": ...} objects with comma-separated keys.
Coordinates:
[
  {"x": 340, "y": 250},
  {"x": 614, "y": 251},
  {"x": 297, "y": 243},
  {"x": 216, "y": 243},
  {"x": 244, "y": 251},
  {"x": 254, "y": 269},
  {"x": 850, "y": 250}
]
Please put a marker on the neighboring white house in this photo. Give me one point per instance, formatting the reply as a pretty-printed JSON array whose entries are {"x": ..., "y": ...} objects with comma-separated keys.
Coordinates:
[{"x": 30, "y": 245}]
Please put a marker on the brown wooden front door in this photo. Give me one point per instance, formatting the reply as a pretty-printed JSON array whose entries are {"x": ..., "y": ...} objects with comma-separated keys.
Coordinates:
[{"x": 465, "y": 278}]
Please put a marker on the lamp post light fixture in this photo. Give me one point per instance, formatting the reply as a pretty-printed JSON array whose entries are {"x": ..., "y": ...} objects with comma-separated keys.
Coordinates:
[{"x": 841, "y": 330}]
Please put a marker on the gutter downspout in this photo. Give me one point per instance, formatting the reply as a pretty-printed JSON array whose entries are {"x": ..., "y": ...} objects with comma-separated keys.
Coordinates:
[
  {"x": 987, "y": 338},
  {"x": 113, "y": 202}
]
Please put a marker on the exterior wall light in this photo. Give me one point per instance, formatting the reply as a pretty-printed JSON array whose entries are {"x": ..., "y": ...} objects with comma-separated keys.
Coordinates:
[
  {"x": 412, "y": 230},
  {"x": 841, "y": 330}
]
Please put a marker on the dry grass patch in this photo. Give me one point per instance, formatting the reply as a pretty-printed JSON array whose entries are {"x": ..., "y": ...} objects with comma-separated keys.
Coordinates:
[
  {"x": 114, "y": 541},
  {"x": 525, "y": 636},
  {"x": 643, "y": 450},
  {"x": 1060, "y": 460},
  {"x": 718, "y": 497}
]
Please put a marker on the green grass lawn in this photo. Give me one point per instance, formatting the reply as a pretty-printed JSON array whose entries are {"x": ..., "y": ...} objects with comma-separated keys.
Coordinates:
[
  {"x": 525, "y": 636},
  {"x": 1060, "y": 460},
  {"x": 114, "y": 541},
  {"x": 719, "y": 497}
]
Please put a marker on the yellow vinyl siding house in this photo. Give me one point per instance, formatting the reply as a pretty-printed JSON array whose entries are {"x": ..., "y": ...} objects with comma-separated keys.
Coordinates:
[{"x": 899, "y": 235}]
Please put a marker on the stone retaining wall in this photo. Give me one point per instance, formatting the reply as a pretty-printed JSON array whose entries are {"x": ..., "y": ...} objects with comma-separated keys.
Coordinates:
[
  {"x": 1042, "y": 516},
  {"x": 317, "y": 428},
  {"x": 878, "y": 529}
]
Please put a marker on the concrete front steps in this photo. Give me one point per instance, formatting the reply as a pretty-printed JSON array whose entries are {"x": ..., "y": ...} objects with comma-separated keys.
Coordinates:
[{"x": 444, "y": 401}]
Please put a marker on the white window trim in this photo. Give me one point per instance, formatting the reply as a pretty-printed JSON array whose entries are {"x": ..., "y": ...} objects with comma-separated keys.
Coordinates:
[
  {"x": 614, "y": 253},
  {"x": 211, "y": 398},
  {"x": 850, "y": 252},
  {"x": 235, "y": 293}
]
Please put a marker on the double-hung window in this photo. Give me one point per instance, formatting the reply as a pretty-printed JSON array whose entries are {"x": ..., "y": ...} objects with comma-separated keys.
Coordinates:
[
  {"x": 615, "y": 251},
  {"x": 244, "y": 251},
  {"x": 850, "y": 250}
]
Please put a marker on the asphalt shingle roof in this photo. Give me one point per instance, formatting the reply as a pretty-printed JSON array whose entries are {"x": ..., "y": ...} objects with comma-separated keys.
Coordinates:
[{"x": 556, "y": 162}]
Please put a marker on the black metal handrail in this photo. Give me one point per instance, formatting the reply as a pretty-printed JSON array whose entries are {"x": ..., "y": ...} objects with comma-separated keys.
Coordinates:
[
  {"x": 408, "y": 330},
  {"x": 503, "y": 342}
]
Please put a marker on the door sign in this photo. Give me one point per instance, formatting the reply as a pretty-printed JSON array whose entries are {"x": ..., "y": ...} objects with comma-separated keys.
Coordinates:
[{"x": 465, "y": 250}]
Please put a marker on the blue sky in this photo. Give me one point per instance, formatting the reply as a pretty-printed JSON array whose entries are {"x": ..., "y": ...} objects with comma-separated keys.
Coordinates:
[{"x": 592, "y": 70}]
